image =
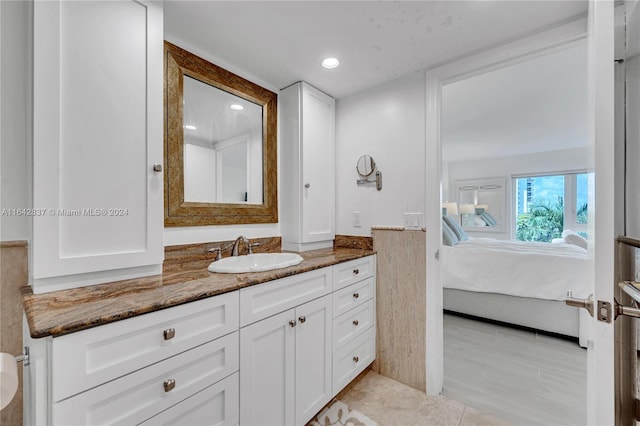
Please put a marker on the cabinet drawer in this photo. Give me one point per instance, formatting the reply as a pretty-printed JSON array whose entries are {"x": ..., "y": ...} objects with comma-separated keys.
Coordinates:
[
  {"x": 263, "y": 300},
  {"x": 216, "y": 405},
  {"x": 139, "y": 396},
  {"x": 352, "y": 359},
  {"x": 353, "y": 271},
  {"x": 352, "y": 296},
  {"x": 86, "y": 359},
  {"x": 352, "y": 324}
]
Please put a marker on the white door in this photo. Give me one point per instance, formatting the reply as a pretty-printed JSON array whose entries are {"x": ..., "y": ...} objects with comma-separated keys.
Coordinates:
[
  {"x": 600, "y": 350},
  {"x": 313, "y": 357},
  {"x": 318, "y": 146},
  {"x": 97, "y": 138},
  {"x": 267, "y": 371}
]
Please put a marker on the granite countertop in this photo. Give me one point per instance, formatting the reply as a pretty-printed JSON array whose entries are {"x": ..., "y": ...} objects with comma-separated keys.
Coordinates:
[{"x": 67, "y": 311}]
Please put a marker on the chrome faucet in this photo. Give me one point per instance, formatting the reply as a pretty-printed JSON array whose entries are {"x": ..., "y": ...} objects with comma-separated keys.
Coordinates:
[{"x": 236, "y": 245}]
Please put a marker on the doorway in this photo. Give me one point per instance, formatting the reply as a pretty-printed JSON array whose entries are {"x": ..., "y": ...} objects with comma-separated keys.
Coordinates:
[{"x": 514, "y": 146}]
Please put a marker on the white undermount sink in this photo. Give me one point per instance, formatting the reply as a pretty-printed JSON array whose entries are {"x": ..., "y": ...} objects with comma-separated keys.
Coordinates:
[{"x": 257, "y": 262}]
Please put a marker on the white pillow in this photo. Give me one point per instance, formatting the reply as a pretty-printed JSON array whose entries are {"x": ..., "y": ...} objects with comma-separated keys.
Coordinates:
[{"x": 573, "y": 238}]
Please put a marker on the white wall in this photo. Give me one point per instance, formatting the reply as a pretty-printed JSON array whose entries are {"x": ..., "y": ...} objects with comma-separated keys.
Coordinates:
[
  {"x": 387, "y": 122},
  {"x": 544, "y": 162},
  {"x": 15, "y": 117}
]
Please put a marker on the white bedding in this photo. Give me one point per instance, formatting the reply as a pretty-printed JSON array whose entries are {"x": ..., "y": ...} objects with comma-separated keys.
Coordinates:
[{"x": 517, "y": 268}]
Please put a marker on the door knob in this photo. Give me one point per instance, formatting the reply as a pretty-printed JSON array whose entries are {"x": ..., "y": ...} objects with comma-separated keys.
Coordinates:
[
  {"x": 580, "y": 303},
  {"x": 302, "y": 319},
  {"x": 307, "y": 185},
  {"x": 292, "y": 323}
]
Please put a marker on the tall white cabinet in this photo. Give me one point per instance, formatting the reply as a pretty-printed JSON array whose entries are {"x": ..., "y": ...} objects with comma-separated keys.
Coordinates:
[
  {"x": 307, "y": 150},
  {"x": 97, "y": 139}
]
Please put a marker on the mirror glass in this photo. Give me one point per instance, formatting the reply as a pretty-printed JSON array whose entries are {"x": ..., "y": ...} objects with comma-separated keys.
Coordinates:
[
  {"x": 222, "y": 146},
  {"x": 481, "y": 204},
  {"x": 366, "y": 166}
]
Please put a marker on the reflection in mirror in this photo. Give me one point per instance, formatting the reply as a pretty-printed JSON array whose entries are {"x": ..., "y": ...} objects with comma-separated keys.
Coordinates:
[
  {"x": 482, "y": 204},
  {"x": 222, "y": 146}
]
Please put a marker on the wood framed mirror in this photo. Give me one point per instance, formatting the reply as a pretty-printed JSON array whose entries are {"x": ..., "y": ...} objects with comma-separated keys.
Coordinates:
[{"x": 220, "y": 145}]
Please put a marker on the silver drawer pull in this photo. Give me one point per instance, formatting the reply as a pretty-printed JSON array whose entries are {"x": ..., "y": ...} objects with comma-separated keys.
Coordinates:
[
  {"x": 169, "y": 333},
  {"x": 292, "y": 323},
  {"x": 356, "y": 295},
  {"x": 169, "y": 384},
  {"x": 356, "y": 359},
  {"x": 302, "y": 319},
  {"x": 356, "y": 271},
  {"x": 356, "y": 322}
]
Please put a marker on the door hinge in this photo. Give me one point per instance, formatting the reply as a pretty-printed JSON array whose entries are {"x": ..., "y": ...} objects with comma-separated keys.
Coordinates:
[{"x": 437, "y": 255}]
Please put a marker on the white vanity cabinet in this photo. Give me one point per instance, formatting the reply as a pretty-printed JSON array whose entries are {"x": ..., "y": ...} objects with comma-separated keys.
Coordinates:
[
  {"x": 307, "y": 139},
  {"x": 149, "y": 368},
  {"x": 97, "y": 142},
  {"x": 286, "y": 359},
  {"x": 274, "y": 353},
  {"x": 302, "y": 340}
]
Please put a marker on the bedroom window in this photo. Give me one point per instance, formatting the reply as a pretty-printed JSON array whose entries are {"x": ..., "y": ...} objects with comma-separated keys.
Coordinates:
[{"x": 549, "y": 204}]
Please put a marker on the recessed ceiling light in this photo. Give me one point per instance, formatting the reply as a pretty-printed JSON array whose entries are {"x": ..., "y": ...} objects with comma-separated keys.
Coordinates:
[
  {"x": 236, "y": 107},
  {"x": 330, "y": 63},
  {"x": 190, "y": 127}
]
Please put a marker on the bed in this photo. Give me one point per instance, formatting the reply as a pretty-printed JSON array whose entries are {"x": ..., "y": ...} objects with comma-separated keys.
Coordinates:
[{"x": 522, "y": 283}]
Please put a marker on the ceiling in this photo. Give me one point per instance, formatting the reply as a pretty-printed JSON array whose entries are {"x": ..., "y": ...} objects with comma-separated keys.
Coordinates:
[
  {"x": 535, "y": 106},
  {"x": 282, "y": 42}
]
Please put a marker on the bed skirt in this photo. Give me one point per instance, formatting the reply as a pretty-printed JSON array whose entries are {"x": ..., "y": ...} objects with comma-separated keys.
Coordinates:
[{"x": 546, "y": 315}]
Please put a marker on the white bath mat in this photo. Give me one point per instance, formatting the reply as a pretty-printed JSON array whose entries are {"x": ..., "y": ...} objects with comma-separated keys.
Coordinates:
[{"x": 339, "y": 414}]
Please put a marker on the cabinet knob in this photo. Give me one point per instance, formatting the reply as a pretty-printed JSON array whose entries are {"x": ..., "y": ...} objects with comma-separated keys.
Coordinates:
[
  {"x": 356, "y": 271},
  {"x": 356, "y": 359},
  {"x": 292, "y": 323},
  {"x": 356, "y": 322},
  {"x": 307, "y": 185},
  {"x": 169, "y": 333},
  {"x": 356, "y": 295},
  {"x": 169, "y": 384},
  {"x": 157, "y": 167},
  {"x": 302, "y": 319}
]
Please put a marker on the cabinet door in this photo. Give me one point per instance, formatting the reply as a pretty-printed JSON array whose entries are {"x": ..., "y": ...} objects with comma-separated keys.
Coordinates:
[
  {"x": 97, "y": 134},
  {"x": 267, "y": 371},
  {"x": 318, "y": 170},
  {"x": 313, "y": 358}
]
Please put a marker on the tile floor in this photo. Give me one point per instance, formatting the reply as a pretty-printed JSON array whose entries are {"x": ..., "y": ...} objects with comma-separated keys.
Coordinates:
[
  {"x": 522, "y": 377},
  {"x": 390, "y": 403},
  {"x": 494, "y": 375}
]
